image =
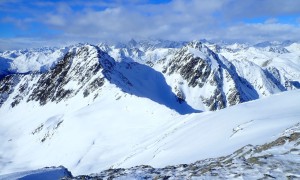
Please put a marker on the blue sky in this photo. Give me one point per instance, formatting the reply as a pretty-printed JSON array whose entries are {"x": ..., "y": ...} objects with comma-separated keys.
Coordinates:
[{"x": 33, "y": 23}]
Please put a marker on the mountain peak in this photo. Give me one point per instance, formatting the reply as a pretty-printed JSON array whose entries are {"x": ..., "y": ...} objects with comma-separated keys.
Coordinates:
[
  {"x": 195, "y": 44},
  {"x": 132, "y": 43}
]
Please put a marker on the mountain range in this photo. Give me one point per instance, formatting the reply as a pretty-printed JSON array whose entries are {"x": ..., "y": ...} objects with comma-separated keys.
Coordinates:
[{"x": 150, "y": 102}]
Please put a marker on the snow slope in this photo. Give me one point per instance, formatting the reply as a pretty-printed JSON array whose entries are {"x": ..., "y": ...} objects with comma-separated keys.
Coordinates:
[
  {"x": 278, "y": 159},
  {"x": 45, "y": 174},
  {"x": 207, "y": 135},
  {"x": 93, "y": 138}
]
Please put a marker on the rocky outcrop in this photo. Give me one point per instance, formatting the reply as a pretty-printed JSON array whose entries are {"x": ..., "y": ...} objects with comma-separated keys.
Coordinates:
[
  {"x": 81, "y": 70},
  {"x": 7, "y": 86},
  {"x": 281, "y": 80},
  {"x": 205, "y": 71}
]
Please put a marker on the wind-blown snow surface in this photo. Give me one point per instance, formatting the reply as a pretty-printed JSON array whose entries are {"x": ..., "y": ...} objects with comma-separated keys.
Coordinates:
[
  {"x": 278, "y": 159},
  {"x": 93, "y": 138}
]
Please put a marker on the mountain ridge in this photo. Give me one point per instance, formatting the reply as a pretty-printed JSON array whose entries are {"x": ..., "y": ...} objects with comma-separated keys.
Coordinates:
[{"x": 265, "y": 81}]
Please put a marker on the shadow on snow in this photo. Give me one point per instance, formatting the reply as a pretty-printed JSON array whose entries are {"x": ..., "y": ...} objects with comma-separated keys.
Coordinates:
[{"x": 143, "y": 81}]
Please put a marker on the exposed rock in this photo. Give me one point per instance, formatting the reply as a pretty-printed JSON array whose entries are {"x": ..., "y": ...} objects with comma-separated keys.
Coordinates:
[{"x": 202, "y": 68}]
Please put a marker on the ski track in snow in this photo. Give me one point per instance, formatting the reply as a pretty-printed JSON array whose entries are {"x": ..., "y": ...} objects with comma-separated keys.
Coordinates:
[{"x": 240, "y": 127}]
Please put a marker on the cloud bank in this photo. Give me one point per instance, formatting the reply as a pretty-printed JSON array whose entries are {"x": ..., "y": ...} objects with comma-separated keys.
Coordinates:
[{"x": 62, "y": 22}]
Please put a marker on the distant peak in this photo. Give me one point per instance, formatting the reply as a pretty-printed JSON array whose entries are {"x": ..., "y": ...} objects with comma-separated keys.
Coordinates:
[
  {"x": 274, "y": 43},
  {"x": 195, "y": 44},
  {"x": 132, "y": 42},
  {"x": 199, "y": 46}
]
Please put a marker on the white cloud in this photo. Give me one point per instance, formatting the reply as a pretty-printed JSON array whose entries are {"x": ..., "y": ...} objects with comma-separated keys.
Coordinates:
[
  {"x": 24, "y": 43},
  {"x": 266, "y": 8},
  {"x": 177, "y": 20},
  {"x": 271, "y": 21},
  {"x": 262, "y": 32},
  {"x": 55, "y": 20}
]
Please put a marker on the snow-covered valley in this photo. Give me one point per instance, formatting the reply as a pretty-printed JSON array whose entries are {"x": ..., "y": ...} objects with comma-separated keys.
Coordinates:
[{"x": 91, "y": 108}]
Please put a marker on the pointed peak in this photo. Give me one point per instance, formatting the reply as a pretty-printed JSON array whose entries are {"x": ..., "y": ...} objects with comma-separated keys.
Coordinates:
[
  {"x": 132, "y": 42},
  {"x": 195, "y": 44},
  {"x": 199, "y": 46}
]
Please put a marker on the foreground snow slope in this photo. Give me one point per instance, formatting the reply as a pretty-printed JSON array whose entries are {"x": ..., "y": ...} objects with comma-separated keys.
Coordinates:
[
  {"x": 125, "y": 131},
  {"x": 206, "y": 135},
  {"x": 278, "y": 159}
]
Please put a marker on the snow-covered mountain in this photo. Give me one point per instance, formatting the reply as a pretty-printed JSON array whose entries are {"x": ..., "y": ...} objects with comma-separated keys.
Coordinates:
[
  {"x": 144, "y": 51},
  {"x": 197, "y": 73},
  {"x": 93, "y": 107},
  {"x": 280, "y": 67},
  {"x": 204, "y": 79},
  {"x": 24, "y": 61}
]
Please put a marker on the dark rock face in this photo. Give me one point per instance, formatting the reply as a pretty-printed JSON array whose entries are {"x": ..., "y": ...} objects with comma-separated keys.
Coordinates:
[
  {"x": 49, "y": 85},
  {"x": 7, "y": 85},
  {"x": 234, "y": 97},
  {"x": 17, "y": 86},
  {"x": 216, "y": 101},
  {"x": 98, "y": 82},
  {"x": 281, "y": 81},
  {"x": 76, "y": 69},
  {"x": 193, "y": 69},
  {"x": 201, "y": 73},
  {"x": 83, "y": 69}
]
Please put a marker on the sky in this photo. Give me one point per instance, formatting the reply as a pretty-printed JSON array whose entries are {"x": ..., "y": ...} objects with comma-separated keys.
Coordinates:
[{"x": 37, "y": 23}]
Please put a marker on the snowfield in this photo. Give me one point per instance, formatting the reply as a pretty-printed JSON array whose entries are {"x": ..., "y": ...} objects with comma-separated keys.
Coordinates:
[{"x": 94, "y": 138}]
